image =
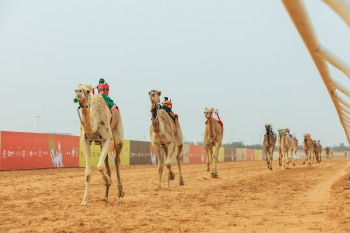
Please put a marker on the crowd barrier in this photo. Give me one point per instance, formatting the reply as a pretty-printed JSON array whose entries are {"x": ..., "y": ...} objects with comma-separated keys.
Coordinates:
[{"x": 20, "y": 150}]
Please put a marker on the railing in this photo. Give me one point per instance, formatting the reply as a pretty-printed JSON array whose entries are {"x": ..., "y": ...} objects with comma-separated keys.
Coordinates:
[{"x": 320, "y": 55}]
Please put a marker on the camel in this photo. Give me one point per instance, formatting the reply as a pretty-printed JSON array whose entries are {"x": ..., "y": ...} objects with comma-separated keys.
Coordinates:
[
  {"x": 294, "y": 147},
  {"x": 269, "y": 145},
  {"x": 279, "y": 147},
  {"x": 213, "y": 135},
  {"x": 166, "y": 134},
  {"x": 317, "y": 152},
  {"x": 287, "y": 146},
  {"x": 101, "y": 125},
  {"x": 308, "y": 148},
  {"x": 329, "y": 153}
]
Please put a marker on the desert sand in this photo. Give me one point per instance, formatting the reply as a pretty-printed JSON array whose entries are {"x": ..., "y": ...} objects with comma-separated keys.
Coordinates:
[{"x": 247, "y": 197}]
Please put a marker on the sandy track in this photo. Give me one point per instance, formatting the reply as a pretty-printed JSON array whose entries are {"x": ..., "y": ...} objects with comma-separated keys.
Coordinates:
[{"x": 247, "y": 198}]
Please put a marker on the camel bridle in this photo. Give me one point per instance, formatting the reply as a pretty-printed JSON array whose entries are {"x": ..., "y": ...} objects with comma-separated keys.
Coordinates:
[
  {"x": 86, "y": 97},
  {"x": 155, "y": 104}
]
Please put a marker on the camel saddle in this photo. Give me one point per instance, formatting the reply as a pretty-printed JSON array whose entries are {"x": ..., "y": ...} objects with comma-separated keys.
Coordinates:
[
  {"x": 172, "y": 115},
  {"x": 219, "y": 121}
]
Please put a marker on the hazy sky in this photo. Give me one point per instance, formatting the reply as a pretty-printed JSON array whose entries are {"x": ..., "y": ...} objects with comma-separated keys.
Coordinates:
[{"x": 243, "y": 57}]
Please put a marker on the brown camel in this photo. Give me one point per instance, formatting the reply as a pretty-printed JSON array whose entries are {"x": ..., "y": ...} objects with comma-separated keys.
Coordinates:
[
  {"x": 329, "y": 153},
  {"x": 165, "y": 134},
  {"x": 286, "y": 147},
  {"x": 101, "y": 125},
  {"x": 269, "y": 145},
  {"x": 308, "y": 148},
  {"x": 295, "y": 147},
  {"x": 213, "y": 135},
  {"x": 279, "y": 147}
]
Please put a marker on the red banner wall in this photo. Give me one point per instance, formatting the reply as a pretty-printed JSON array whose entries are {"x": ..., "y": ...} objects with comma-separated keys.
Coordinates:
[
  {"x": 36, "y": 150},
  {"x": 197, "y": 154},
  {"x": 250, "y": 154}
]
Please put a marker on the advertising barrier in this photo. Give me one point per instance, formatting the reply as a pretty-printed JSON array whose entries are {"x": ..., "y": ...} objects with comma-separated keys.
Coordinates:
[
  {"x": 250, "y": 154},
  {"x": 185, "y": 153},
  {"x": 141, "y": 153},
  {"x": 258, "y": 155},
  {"x": 95, "y": 153},
  {"x": 230, "y": 154},
  {"x": 221, "y": 155},
  {"x": 241, "y": 154},
  {"x": 197, "y": 154},
  {"x": 20, "y": 150}
]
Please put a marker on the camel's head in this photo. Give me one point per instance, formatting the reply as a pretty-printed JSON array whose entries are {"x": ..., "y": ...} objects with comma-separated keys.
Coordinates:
[
  {"x": 306, "y": 136},
  {"x": 282, "y": 131},
  {"x": 154, "y": 96},
  {"x": 268, "y": 127},
  {"x": 83, "y": 92},
  {"x": 208, "y": 112}
]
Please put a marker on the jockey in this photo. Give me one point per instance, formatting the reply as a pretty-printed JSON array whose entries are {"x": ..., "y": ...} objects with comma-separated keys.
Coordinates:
[
  {"x": 319, "y": 142},
  {"x": 167, "y": 105},
  {"x": 270, "y": 130},
  {"x": 295, "y": 136},
  {"x": 103, "y": 87},
  {"x": 216, "y": 116}
]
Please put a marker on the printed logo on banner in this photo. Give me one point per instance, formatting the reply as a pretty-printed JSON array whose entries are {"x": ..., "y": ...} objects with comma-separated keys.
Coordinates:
[
  {"x": 55, "y": 153},
  {"x": 18, "y": 152},
  {"x": 10, "y": 153},
  {"x": 3, "y": 154}
]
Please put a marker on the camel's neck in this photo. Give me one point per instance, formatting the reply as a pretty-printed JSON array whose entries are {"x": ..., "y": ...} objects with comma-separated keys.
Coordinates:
[
  {"x": 86, "y": 119},
  {"x": 155, "y": 120},
  {"x": 268, "y": 133},
  {"x": 308, "y": 143},
  {"x": 211, "y": 128}
]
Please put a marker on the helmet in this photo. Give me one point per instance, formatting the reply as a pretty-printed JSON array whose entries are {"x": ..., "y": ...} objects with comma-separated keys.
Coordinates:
[
  {"x": 167, "y": 103},
  {"x": 103, "y": 87}
]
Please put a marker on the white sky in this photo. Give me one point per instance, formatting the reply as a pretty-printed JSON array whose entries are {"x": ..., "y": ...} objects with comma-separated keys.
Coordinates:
[{"x": 243, "y": 57}]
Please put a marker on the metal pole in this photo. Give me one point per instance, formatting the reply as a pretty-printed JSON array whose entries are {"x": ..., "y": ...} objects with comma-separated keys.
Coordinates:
[
  {"x": 76, "y": 127},
  {"x": 38, "y": 123}
]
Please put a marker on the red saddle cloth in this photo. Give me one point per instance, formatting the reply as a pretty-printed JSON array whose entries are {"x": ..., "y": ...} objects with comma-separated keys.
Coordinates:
[{"x": 219, "y": 121}]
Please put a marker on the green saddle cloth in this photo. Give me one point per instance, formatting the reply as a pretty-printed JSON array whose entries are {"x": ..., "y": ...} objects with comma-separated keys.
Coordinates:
[{"x": 108, "y": 100}]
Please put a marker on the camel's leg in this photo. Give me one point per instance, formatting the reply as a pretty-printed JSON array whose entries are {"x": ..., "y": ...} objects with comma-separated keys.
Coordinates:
[
  {"x": 305, "y": 157},
  {"x": 283, "y": 155},
  {"x": 209, "y": 158},
  {"x": 309, "y": 158},
  {"x": 118, "y": 148},
  {"x": 179, "y": 145},
  {"x": 88, "y": 173},
  {"x": 214, "y": 171},
  {"x": 280, "y": 156},
  {"x": 211, "y": 155},
  {"x": 270, "y": 157},
  {"x": 267, "y": 156},
  {"x": 168, "y": 152},
  {"x": 108, "y": 171},
  {"x": 179, "y": 150},
  {"x": 156, "y": 149},
  {"x": 100, "y": 166},
  {"x": 118, "y": 135},
  {"x": 292, "y": 158}
]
